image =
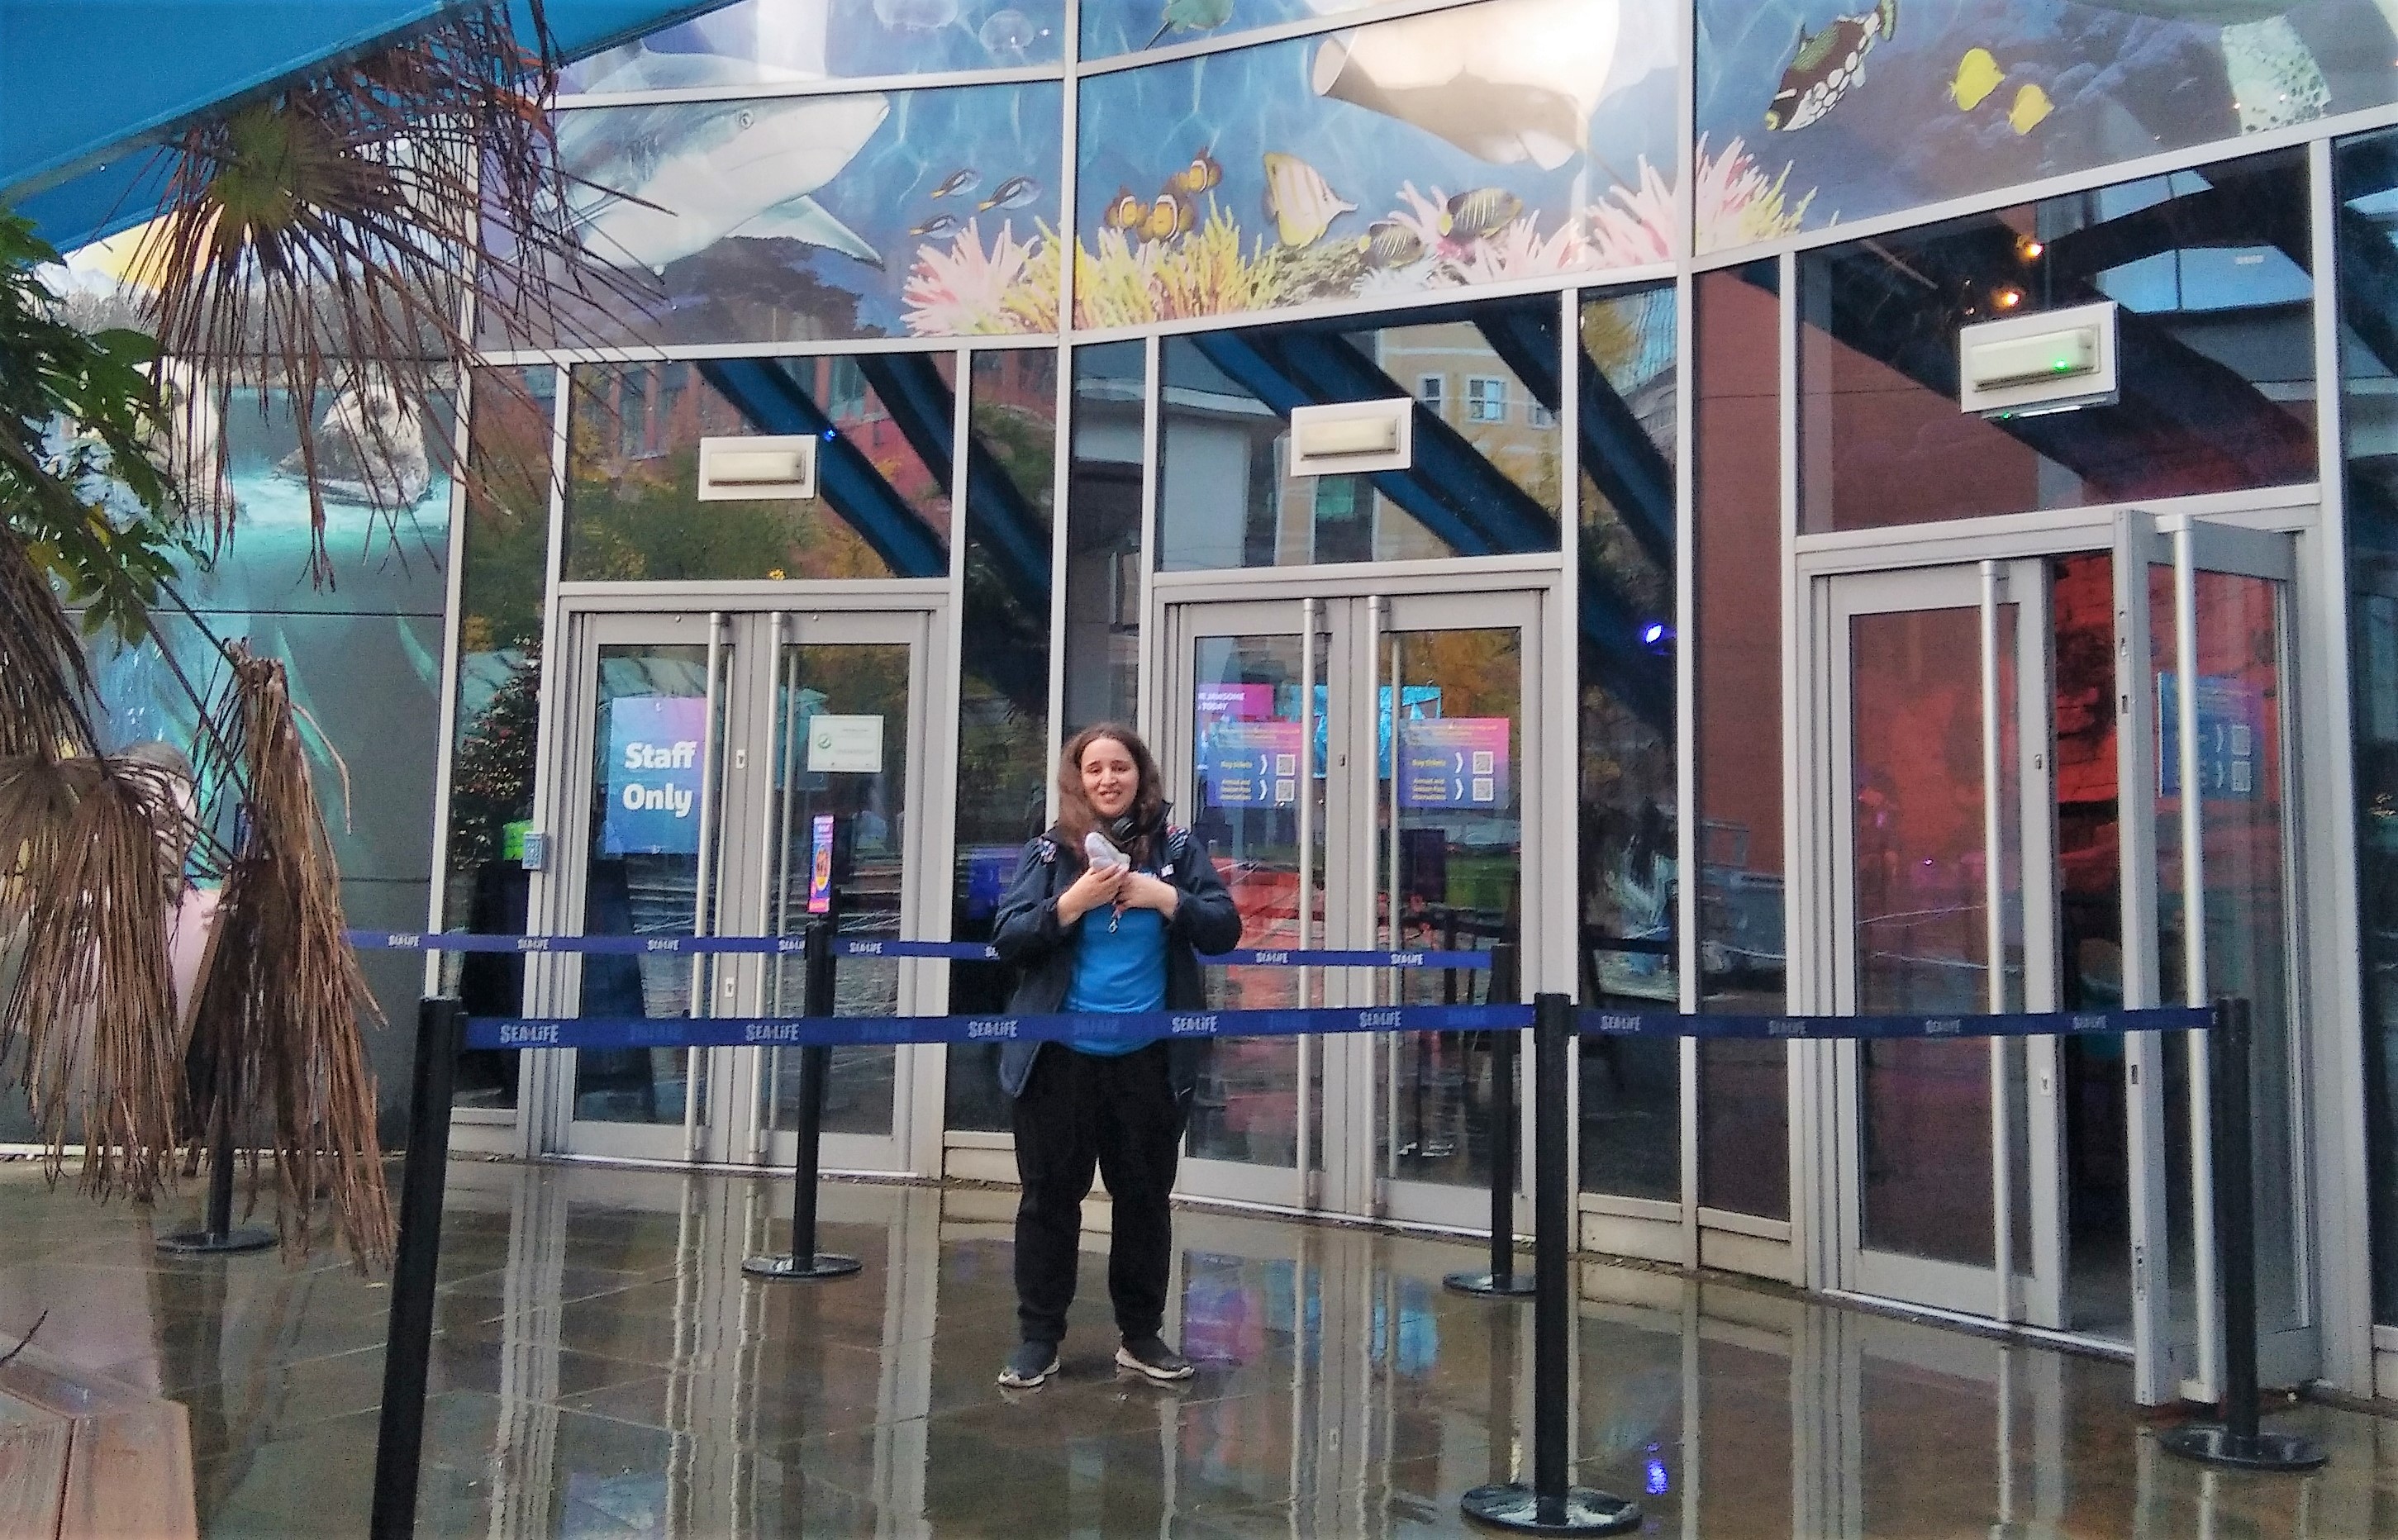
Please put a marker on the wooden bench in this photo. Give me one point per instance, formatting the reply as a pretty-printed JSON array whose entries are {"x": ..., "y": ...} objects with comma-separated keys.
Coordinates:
[{"x": 84, "y": 1457}]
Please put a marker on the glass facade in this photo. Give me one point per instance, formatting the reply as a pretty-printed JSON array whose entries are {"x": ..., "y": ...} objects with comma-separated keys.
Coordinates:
[{"x": 828, "y": 221}]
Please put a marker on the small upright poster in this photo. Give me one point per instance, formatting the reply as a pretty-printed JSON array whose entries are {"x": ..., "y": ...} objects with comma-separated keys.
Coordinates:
[{"x": 820, "y": 866}]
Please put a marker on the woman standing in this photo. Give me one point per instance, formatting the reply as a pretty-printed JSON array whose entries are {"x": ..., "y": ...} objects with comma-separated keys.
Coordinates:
[{"x": 1106, "y": 938}]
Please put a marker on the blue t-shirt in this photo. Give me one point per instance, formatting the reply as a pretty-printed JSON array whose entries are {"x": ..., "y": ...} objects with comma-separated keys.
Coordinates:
[{"x": 1118, "y": 971}]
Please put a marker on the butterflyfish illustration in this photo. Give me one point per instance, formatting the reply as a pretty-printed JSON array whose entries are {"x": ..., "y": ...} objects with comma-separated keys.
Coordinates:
[
  {"x": 2031, "y": 109},
  {"x": 1483, "y": 211},
  {"x": 1828, "y": 66},
  {"x": 1167, "y": 218},
  {"x": 935, "y": 225},
  {"x": 1015, "y": 193},
  {"x": 1302, "y": 203},
  {"x": 1509, "y": 82},
  {"x": 1191, "y": 16},
  {"x": 956, "y": 182},
  {"x": 1390, "y": 244},
  {"x": 1125, "y": 211},
  {"x": 1978, "y": 76},
  {"x": 1202, "y": 174}
]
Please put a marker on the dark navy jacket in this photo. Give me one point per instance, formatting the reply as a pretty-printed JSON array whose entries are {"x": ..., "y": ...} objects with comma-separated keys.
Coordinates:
[{"x": 1028, "y": 936}]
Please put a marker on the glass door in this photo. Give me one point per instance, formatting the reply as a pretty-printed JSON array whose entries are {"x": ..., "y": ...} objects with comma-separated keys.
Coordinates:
[
  {"x": 710, "y": 756},
  {"x": 1939, "y": 795},
  {"x": 1245, "y": 745},
  {"x": 2212, "y": 880},
  {"x": 1359, "y": 767},
  {"x": 840, "y": 768}
]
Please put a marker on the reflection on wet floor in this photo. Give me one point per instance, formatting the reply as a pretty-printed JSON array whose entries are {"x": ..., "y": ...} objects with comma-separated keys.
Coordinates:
[{"x": 602, "y": 1368}]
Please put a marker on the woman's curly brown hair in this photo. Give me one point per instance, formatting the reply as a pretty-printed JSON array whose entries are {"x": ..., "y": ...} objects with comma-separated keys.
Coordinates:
[{"x": 1077, "y": 818}]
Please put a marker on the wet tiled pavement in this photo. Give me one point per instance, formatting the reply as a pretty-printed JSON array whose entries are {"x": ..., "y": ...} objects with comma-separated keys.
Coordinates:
[{"x": 602, "y": 1368}]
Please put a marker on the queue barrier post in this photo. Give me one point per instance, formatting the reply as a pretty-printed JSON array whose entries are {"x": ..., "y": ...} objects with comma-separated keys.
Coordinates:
[
  {"x": 218, "y": 1236},
  {"x": 1550, "y": 1503},
  {"x": 803, "y": 1261},
  {"x": 2236, "y": 1441},
  {"x": 407, "y": 1348},
  {"x": 1501, "y": 1281}
]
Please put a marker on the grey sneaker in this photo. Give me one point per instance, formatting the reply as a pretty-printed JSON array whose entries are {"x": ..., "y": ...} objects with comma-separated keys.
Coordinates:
[
  {"x": 1151, "y": 1357},
  {"x": 1029, "y": 1365}
]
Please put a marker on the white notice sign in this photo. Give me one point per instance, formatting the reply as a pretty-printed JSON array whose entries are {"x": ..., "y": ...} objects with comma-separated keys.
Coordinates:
[{"x": 851, "y": 746}]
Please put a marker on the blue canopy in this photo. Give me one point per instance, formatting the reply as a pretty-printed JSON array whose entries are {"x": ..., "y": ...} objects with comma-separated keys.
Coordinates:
[{"x": 87, "y": 88}]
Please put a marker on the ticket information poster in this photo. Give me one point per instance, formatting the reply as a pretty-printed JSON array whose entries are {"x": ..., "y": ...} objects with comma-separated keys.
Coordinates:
[
  {"x": 1453, "y": 762},
  {"x": 1251, "y": 765}
]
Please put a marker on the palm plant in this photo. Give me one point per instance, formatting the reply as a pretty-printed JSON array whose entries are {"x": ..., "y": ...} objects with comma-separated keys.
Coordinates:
[{"x": 324, "y": 237}]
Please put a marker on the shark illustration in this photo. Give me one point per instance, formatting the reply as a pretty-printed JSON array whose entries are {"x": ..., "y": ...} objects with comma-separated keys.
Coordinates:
[{"x": 653, "y": 183}]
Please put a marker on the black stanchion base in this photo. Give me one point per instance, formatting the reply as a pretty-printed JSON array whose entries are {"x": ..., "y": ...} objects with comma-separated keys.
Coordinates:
[
  {"x": 1492, "y": 1285},
  {"x": 824, "y": 1265},
  {"x": 1512, "y": 1505},
  {"x": 2214, "y": 1444},
  {"x": 245, "y": 1238}
]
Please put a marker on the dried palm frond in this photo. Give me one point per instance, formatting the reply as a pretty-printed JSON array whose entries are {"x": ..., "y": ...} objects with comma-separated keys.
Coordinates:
[
  {"x": 44, "y": 678},
  {"x": 327, "y": 238},
  {"x": 85, "y": 896},
  {"x": 278, "y": 1019}
]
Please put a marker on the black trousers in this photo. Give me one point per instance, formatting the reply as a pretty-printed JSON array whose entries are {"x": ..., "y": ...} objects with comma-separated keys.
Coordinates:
[{"x": 1078, "y": 1112}]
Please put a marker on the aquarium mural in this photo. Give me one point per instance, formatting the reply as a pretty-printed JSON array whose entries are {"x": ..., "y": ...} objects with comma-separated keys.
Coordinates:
[
  {"x": 1813, "y": 111},
  {"x": 869, "y": 214},
  {"x": 1512, "y": 140},
  {"x": 793, "y": 42},
  {"x": 1132, "y": 26}
]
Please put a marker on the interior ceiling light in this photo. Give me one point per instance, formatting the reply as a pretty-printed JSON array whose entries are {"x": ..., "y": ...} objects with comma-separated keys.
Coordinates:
[
  {"x": 2007, "y": 299},
  {"x": 2028, "y": 248}
]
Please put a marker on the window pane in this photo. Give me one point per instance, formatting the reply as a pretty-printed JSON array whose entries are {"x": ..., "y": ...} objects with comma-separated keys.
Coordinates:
[
  {"x": 1103, "y": 537},
  {"x": 1003, "y": 686},
  {"x": 1629, "y": 873},
  {"x": 2210, "y": 271},
  {"x": 1743, "y": 1087},
  {"x": 882, "y": 502},
  {"x": 1484, "y": 486}
]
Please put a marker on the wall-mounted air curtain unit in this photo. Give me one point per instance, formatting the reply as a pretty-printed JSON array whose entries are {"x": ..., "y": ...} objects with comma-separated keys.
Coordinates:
[
  {"x": 741, "y": 470},
  {"x": 1353, "y": 437}
]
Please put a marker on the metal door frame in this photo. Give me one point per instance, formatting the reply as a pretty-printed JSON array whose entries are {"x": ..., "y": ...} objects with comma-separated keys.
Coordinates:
[
  {"x": 2008, "y": 1289},
  {"x": 2314, "y": 838},
  {"x": 724, "y": 1123},
  {"x": 1350, "y": 609}
]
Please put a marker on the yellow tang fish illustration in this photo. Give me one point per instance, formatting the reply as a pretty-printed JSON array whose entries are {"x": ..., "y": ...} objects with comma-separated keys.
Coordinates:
[
  {"x": 2030, "y": 109},
  {"x": 1978, "y": 76},
  {"x": 1302, "y": 203}
]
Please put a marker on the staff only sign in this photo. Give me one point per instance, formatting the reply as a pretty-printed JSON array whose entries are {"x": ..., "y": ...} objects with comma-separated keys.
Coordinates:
[{"x": 654, "y": 774}]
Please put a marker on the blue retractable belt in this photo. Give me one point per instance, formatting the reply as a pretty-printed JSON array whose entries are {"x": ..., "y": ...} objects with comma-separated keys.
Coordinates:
[{"x": 853, "y": 947}]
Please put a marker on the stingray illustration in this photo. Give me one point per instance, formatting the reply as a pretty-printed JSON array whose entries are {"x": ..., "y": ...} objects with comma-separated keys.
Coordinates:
[
  {"x": 656, "y": 182},
  {"x": 1503, "y": 83}
]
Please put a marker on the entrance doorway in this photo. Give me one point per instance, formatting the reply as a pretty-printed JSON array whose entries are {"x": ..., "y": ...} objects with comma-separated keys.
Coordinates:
[
  {"x": 1980, "y": 724},
  {"x": 1364, "y": 767},
  {"x": 704, "y": 755}
]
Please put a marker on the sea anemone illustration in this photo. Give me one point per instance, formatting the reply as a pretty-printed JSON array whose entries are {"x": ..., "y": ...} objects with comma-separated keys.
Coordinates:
[
  {"x": 1736, "y": 204},
  {"x": 965, "y": 290},
  {"x": 1121, "y": 282},
  {"x": 1633, "y": 226}
]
